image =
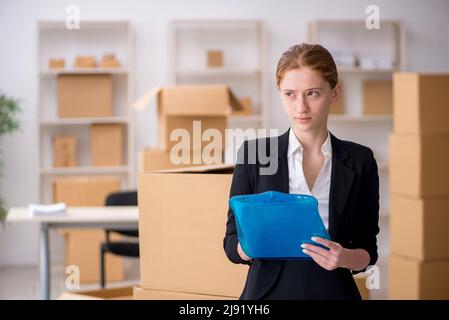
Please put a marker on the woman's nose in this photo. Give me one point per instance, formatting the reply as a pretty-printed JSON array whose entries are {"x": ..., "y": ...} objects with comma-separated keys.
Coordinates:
[{"x": 301, "y": 105}]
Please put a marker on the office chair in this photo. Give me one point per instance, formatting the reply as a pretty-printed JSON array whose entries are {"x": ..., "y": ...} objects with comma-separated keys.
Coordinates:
[{"x": 120, "y": 248}]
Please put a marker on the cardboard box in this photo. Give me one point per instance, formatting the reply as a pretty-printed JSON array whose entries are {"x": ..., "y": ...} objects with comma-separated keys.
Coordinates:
[
  {"x": 412, "y": 279},
  {"x": 419, "y": 227},
  {"x": 151, "y": 294},
  {"x": 377, "y": 97},
  {"x": 84, "y": 191},
  {"x": 82, "y": 247},
  {"x": 64, "y": 151},
  {"x": 56, "y": 63},
  {"x": 109, "y": 61},
  {"x": 247, "y": 105},
  {"x": 157, "y": 159},
  {"x": 338, "y": 107},
  {"x": 85, "y": 62},
  {"x": 182, "y": 224},
  {"x": 81, "y": 95},
  {"x": 179, "y": 106},
  {"x": 214, "y": 58},
  {"x": 421, "y": 103},
  {"x": 419, "y": 165},
  {"x": 360, "y": 281},
  {"x": 106, "y": 144},
  {"x": 105, "y": 294}
]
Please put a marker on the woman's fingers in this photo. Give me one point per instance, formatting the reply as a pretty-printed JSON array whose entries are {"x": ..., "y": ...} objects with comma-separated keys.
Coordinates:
[
  {"x": 328, "y": 243},
  {"x": 321, "y": 251},
  {"x": 318, "y": 259}
]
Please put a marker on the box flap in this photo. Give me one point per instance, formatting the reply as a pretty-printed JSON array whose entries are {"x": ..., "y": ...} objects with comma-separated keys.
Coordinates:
[
  {"x": 192, "y": 100},
  {"x": 223, "y": 167},
  {"x": 145, "y": 100}
]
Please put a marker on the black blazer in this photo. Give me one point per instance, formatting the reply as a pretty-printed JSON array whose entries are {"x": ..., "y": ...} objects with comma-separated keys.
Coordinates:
[{"x": 353, "y": 222}]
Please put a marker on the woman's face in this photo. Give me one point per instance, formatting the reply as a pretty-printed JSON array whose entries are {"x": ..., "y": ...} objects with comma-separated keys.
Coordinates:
[{"x": 307, "y": 98}]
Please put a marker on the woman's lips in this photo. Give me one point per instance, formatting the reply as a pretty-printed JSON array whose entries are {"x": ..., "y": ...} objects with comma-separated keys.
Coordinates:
[{"x": 303, "y": 119}]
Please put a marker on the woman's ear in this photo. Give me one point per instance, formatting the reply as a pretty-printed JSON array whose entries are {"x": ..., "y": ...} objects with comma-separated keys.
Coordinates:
[{"x": 336, "y": 92}]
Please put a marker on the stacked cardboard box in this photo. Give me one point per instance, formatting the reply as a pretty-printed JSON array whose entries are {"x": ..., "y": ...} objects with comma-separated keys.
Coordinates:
[
  {"x": 106, "y": 144},
  {"x": 64, "y": 151},
  {"x": 84, "y": 95},
  {"x": 182, "y": 219},
  {"x": 82, "y": 247},
  {"x": 377, "y": 97},
  {"x": 419, "y": 184},
  {"x": 192, "y": 120}
]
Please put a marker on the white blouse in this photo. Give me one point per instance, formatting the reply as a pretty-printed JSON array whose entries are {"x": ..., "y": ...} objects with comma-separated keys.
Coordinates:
[{"x": 297, "y": 180}]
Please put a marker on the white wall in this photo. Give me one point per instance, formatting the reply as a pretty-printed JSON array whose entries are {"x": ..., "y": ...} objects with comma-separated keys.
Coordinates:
[{"x": 427, "y": 49}]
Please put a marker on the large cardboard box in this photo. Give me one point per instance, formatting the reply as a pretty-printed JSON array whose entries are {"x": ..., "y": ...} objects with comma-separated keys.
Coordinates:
[
  {"x": 421, "y": 103},
  {"x": 64, "y": 151},
  {"x": 377, "y": 97},
  {"x": 413, "y": 279},
  {"x": 84, "y": 95},
  {"x": 82, "y": 247},
  {"x": 419, "y": 164},
  {"x": 182, "y": 219},
  {"x": 106, "y": 144},
  {"x": 151, "y": 294},
  {"x": 419, "y": 227},
  {"x": 151, "y": 159},
  {"x": 178, "y": 108},
  {"x": 125, "y": 293}
]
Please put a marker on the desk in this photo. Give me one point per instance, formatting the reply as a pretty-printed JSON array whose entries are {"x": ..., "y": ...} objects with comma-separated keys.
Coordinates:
[{"x": 122, "y": 217}]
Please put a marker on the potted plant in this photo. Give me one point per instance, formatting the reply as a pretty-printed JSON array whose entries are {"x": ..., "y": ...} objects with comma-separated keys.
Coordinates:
[{"x": 9, "y": 107}]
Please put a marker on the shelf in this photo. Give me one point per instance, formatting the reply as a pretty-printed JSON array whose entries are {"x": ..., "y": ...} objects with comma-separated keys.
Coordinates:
[
  {"x": 84, "y": 24},
  {"x": 208, "y": 24},
  {"x": 82, "y": 121},
  {"x": 364, "y": 118},
  {"x": 84, "y": 170},
  {"x": 51, "y": 72},
  {"x": 218, "y": 72}
]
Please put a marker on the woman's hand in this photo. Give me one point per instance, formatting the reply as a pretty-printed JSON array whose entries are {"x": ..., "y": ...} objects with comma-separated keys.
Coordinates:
[
  {"x": 241, "y": 253},
  {"x": 336, "y": 256}
]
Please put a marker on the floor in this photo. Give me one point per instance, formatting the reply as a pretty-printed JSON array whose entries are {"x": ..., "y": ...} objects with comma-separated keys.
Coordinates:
[{"x": 22, "y": 282}]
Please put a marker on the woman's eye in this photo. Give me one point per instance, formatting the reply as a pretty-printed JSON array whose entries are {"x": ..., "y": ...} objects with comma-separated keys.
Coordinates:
[
  {"x": 313, "y": 93},
  {"x": 289, "y": 94}
]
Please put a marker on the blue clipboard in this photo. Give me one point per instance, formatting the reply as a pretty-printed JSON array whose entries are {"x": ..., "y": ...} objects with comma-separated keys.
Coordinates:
[{"x": 273, "y": 225}]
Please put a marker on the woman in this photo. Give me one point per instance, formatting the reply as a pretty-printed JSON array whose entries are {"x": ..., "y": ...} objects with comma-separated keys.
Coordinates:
[{"x": 342, "y": 175}]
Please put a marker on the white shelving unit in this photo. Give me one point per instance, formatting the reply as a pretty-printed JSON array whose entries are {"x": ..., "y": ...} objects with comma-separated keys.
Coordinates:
[
  {"x": 244, "y": 45},
  {"x": 370, "y": 130},
  {"x": 94, "y": 38}
]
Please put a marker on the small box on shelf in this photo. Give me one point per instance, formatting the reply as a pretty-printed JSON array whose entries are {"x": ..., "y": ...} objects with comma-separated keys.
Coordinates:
[
  {"x": 106, "y": 144},
  {"x": 215, "y": 58},
  {"x": 377, "y": 97},
  {"x": 109, "y": 61},
  {"x": 85, "y": 62},
  {"x": 56, "y": 64},
  {"x": 64, "y": 151}
]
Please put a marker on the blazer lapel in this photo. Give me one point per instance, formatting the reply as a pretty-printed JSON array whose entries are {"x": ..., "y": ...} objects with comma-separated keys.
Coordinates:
[{"x": 342, "y": 179}]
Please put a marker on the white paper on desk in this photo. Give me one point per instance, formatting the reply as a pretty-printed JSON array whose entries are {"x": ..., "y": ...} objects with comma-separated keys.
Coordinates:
[{"x": 47, "y": 209}]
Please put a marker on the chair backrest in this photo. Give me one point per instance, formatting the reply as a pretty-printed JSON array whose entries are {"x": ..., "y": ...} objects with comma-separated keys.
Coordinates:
[{"x": 122, "y": 198}]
